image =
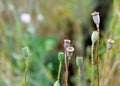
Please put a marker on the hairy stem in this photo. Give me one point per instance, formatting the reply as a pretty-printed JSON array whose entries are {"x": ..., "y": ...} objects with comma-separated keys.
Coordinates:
[
  {"x": 26, "y": 71},
  {"x": 97, "y": 56},
  {"x": 92, "y": 63}
]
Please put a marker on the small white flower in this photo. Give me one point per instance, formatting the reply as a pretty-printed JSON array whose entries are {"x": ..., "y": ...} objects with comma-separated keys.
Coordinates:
[
  {"x": 26, "y": 18},
  {"x": 31, "y": 30},
  {"x": 96, "y": 18},
  {"x": 11, "y": 7},
  {"x": 40, "y": 17}
]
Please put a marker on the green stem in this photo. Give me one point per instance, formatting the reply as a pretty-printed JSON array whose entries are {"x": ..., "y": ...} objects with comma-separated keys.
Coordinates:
[
  {"x": 60, "y": 66},
  {"x": 26, "y": 71},
  {"x": 78, "y": 76},
  {"x": 92, "y": 63}
]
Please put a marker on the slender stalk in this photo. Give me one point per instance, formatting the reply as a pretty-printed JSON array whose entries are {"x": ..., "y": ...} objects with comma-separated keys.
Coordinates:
[
  {"x": 92, "y": 63},
  {"x": 68, "y": 62},
  {"x": 105, "y": 66},
  {"x": 65, "y": 58},
  {"x": 78, "y": 76},
  {"x": 26, "y": 71},
  {"x": 66, "y": 66},
  {"x": 66, "y": 79},
  {"x": 98, "y": 34},
  {"x": 60, "y": 65},
  {"x": 97, "y": 56}
]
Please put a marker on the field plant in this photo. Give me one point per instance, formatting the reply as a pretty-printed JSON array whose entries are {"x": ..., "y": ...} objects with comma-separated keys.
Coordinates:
[
  {"x": 42, "y": 26},
  {"x": 94, "y": 38},
  {"x": 110, "y": 44},
  {"x": 25, "y": 52},
  {"x": 60, "y": 58},
  {"x": 79, "y": 61},
  {"x": 96, "y": 19},
  {"x": 68, "y": 54}
]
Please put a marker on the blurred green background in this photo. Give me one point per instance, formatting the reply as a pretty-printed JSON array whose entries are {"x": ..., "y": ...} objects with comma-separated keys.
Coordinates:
[{"x": 48, "y": 23}]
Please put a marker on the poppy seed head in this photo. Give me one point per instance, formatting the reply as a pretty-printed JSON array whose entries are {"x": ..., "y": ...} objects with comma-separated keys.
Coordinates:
[{"x": 70, "y": 51}]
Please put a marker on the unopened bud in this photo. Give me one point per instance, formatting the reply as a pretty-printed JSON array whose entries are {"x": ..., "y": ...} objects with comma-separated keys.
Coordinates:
[
  {"x": 96, "y": 18},
  {"x": 66, "y": 43},
  {"x": 56, "y": 83},
  {"x": 61, "y": 56},
  {"x": 110, "y": 43},
  {"x": 94, "y": 36},
  {"x": 79, "y": 61},
  {"x": 25, "y": 52},
  {"x": 69, "y": 51}
]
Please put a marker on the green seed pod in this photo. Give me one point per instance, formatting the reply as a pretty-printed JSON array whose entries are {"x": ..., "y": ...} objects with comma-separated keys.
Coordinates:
[
  {"x": 79, "y": 61},
  {"x": 25, "y": 52},
  {"x": 56, "y": 83},
  {"x": 61, "y": 56},
  {"x": 94, "y": 36}
]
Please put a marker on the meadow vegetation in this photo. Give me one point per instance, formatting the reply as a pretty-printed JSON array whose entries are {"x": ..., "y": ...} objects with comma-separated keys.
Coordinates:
[{"x": 32, "y": 44}]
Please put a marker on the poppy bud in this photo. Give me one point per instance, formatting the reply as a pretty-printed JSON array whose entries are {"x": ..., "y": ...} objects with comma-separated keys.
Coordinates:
[
  {"x": 69, "y": 51},
  {"x": 25, "y": 52},
  {"x": 94, "y": 36},
  {"x": 56, "y": 83},
  {"x": 110, "y": 43},
  {"x": 66, "y": 43},
  {"x": 61, "y": 56},
  {"x": 79, "y": 61},
  {"x": 96, "y": 18}
]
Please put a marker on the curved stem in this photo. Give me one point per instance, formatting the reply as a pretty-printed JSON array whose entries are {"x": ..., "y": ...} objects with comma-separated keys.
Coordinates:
[
  {"x": 26, "y": 71},
  {"x": 92, "y": 63},
  {"x": 60, "y": 66}
]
